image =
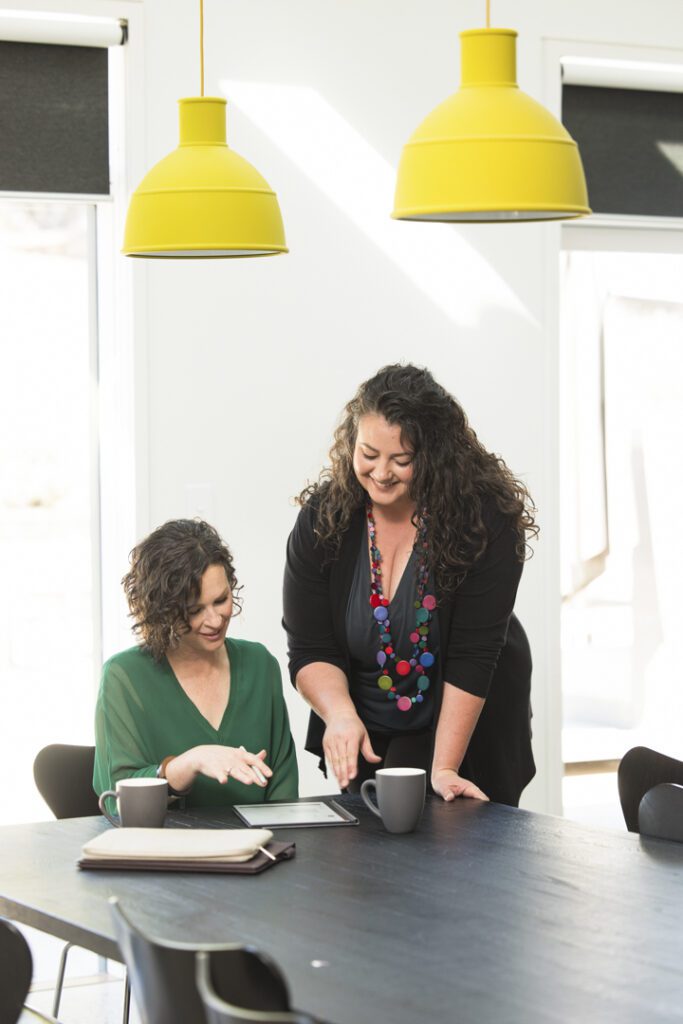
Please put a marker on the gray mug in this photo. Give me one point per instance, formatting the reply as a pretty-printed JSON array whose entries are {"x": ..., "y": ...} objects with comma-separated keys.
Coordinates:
[
  {"x": 141, "y": 803},
  {"x": 400, "y": 796}
]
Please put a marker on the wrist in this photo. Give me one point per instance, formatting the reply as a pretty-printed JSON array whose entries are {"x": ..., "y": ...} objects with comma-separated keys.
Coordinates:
[{"x": 161, "y": 770}]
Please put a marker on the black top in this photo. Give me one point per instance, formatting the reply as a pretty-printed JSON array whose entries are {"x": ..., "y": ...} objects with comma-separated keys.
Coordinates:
[
  {"x": 374, "y": 707},
  {"x": 484, "y": 649}
]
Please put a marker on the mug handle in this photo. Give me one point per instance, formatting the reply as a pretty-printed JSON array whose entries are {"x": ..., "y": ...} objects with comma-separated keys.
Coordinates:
[
  {"x": 368, "y": 785},
  {"x": 103, "y": 807}
]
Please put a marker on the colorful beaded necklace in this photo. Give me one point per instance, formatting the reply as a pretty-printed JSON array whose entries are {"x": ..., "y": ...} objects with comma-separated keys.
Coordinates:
[{"x": 425, "y": 604}]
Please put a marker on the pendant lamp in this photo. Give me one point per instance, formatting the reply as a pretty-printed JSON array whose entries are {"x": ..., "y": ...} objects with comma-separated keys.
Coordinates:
[
  {"x": 490, "y": 152},
  {"x": 203, "y": 200}
]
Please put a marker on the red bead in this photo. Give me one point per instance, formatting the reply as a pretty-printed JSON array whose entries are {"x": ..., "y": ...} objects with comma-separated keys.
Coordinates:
[
  {"x": 389, "y": 650},
  {"x": 403, "y": 668},
  {"x": 375, "y": 600},
  {"x": 385, "y": 602}
]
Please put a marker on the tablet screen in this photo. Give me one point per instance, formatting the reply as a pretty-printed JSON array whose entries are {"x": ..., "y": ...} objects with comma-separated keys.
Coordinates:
[{"x": 284, "y": 815}]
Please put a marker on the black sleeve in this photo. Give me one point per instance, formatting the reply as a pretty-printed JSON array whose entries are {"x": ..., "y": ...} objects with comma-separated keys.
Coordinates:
[
  {"x": 482, "y": 607},
  {"x": 307, "y": 606}
]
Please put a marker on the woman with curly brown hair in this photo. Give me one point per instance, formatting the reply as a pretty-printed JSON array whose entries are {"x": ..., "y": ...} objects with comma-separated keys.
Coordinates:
[
  {"x": 401, "y": 576},
  {"x": 186, "y": 702}
]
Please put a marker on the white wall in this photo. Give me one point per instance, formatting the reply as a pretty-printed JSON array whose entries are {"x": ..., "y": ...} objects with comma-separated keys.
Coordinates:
[{"x": 249, "y": 362}]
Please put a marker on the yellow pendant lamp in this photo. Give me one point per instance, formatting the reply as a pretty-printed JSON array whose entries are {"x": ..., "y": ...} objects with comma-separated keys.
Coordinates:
[
  {"x": 203, "y": 200},
  {"x": 489, "y": 152}
]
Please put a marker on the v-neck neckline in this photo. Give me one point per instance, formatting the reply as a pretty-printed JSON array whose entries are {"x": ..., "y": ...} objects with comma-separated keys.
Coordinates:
[
  {"x": 231, "y": 652},
  {"x": 368, "y": 574}
]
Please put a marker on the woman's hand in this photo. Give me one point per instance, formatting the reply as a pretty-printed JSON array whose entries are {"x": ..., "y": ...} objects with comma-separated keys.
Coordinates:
[
  {"x": 447, "y": 783},
  {"x": 344, "y": 737},
  {"x": 217, "y": 762}
]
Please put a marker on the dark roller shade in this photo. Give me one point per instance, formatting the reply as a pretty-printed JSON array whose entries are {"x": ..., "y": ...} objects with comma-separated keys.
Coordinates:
[
  {"x": 620, "y": 133},
  {"x": 53, "y": 119}
]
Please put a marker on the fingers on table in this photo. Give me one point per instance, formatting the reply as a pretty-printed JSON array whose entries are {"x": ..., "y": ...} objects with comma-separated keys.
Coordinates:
[{"x": 465, "y": 789}]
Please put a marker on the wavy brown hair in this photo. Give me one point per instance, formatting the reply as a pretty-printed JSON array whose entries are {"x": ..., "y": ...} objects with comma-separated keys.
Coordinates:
[
  {"x": 455, "y": 479},
  {"x": 165, "y": 579}
]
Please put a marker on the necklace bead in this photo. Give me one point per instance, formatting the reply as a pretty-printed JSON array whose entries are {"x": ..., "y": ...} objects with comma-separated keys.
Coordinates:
[{"x": 424, "y": 604}]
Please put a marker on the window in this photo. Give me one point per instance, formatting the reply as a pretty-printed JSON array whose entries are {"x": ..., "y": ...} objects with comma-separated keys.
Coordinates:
[{"x": 66, "y": 341}]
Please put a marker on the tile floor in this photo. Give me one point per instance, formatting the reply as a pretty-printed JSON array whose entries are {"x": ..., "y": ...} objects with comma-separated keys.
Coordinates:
[{"x": 92, "y": 995}]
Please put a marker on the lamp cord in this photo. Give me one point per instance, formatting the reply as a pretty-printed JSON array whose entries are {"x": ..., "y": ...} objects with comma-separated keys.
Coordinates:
[
  {"x": 488, "y": 13},
  {"x": 201, "y": 44}
]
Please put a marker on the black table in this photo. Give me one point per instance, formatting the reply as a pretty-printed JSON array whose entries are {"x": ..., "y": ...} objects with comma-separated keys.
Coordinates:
[{"x": 486, "y": 914}]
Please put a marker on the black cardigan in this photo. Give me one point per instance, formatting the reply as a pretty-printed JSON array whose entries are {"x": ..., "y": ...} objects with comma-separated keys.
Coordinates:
[{"x": 484, "y": 649}]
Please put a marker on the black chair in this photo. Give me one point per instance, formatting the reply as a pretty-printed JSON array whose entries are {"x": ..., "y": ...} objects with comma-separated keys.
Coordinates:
[
  {"x": 661, "y": 812},
  {"x": 163, "y": 978},
  {"x": 16, "y": 966},
  {"x": 16, "y": 970},
  {"x": 63, "y": 774},
  {"x": 254, "y": 965},
  {"x": 639, "y": 771}
]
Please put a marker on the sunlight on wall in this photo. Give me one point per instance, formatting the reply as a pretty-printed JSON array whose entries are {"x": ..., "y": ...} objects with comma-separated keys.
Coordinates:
[{"x": 340, "y": 162}]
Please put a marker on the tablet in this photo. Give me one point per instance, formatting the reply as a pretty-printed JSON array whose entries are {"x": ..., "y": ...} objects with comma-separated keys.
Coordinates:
[{"x": 298, "y": 814}]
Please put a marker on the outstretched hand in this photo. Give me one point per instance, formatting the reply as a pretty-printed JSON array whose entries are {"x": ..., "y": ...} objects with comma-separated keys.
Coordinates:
[
  {"x": 344, "y": 738},
  {"x": 449, "y": 785}
]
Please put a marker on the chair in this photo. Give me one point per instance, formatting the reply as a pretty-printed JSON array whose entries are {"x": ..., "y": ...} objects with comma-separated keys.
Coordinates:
[
  {"x": 63, "y": 774},
  {"x": 163, "y": 979},
  {"x": 218, "y": 1011},
  {"x": 639, "y": 771},
  {"x": 661, "y": 812},
  {"x": 16, "y": 970},
  {"x": 17, "y": 967}
]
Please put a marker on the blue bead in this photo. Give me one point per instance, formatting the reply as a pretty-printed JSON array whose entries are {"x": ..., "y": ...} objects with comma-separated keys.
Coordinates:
[
  {"x": 427, "y": 659},
  {"x": 419, "y": 698},
  {"x": 380, "y": 613}
]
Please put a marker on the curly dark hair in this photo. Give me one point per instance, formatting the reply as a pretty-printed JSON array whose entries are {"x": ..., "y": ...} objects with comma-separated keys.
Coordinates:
[
  {"x": 165, "y": 578},
  {"x": 454, "y": 476}
]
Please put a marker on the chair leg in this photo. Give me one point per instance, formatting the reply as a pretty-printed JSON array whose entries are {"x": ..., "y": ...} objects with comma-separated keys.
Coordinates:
[
  {"x": 60, "y": 979},
  {"x": 126, "y": 999}
]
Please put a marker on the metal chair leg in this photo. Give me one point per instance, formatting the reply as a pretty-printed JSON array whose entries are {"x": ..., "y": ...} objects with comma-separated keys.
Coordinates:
[
  {"x": 60, "y": 979},
  {"x": 126, "y": 999},
  {"x": 59, "y": 985}
]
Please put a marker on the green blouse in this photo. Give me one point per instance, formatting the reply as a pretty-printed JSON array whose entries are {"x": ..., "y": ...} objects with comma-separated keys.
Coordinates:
[{"x": 143, "y": 715}]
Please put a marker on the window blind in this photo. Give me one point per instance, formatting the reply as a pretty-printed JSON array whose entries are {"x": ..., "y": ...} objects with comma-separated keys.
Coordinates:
[
  {"x": 631, "y": 143},
  {"x": 54, "y": 103}
]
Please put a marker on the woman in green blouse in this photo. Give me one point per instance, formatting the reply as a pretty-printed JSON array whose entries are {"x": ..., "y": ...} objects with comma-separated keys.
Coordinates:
[{"x": 188, "y": 704}]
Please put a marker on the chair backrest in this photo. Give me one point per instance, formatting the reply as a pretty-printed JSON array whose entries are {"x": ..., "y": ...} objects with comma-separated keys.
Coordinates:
[
  {"x": 661, "y": 812},
  {"x": 16, "y": 968},
  {"x": 639, "y": 771},
  {"x": 63, "y": 775},
  {"x": 163, "y": 982},
  {"x": 220, "y": 1010}
]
